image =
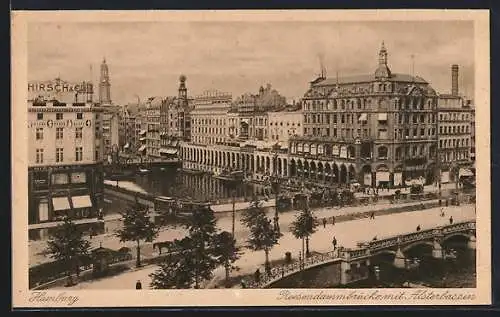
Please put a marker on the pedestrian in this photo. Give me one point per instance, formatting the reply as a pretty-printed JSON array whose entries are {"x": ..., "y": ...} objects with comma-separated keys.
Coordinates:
[
  {"x": 451, "y": 220},
  {"x": 333, "y": 220},
  {"x": 418, "y": 228},
  {"x": 138, "y": 284},
  {"x": 334, "y": 242},
  {"x": 257, "y": 276},
  {"x": 324, "y": 222},
  {"x": 442, "y": 212},
  {"x": 372, "y": 215}
]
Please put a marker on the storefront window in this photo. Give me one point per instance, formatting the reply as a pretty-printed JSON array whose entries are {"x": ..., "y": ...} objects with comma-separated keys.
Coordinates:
[
  {"x": 59, "y": 178},
  {"x": 78, "y": 178}
]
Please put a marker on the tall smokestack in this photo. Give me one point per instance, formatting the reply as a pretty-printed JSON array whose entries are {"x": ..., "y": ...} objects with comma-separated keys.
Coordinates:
[{"x": 454, "y": 80}]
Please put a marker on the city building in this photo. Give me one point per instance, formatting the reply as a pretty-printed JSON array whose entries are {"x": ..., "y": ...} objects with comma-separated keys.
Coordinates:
[
  {"x": 127, "y": 132},
  {"x": 473, "y": 131},
  {"x": 141, "y": 130},
  {"x": 152, "y": 122},
  {"x": 175, "y": 123},
  {"x": 377, "y": 129},
  {"x": 209, "y": 118},
  {"x": 455, "y": 131},
  {"x": 236, "y": 136},
  {"x": 110, "y": 131},
  {"x": 252, "y": 111},
  {"x": 65, "y": 154},
  {"x": 284, "y": 124}
]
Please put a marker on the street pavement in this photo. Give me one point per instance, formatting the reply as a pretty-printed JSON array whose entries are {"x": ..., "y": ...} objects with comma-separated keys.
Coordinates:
[{"x": 347, "y": 233}]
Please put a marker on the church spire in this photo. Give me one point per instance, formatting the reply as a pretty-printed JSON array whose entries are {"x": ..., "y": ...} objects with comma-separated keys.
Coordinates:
[
  {"x": 104, "y": 84},
  {"x": 383, "y": 70}
]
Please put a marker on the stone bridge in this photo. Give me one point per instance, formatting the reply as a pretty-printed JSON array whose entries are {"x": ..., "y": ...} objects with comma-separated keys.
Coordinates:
[{"x": 355, "y": 262}]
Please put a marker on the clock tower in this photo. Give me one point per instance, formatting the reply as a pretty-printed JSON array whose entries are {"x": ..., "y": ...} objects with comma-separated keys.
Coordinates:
[{"x": 104, "y": 85}]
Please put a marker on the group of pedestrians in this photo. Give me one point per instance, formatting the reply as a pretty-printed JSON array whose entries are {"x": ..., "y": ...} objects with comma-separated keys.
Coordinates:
[{"x": 441, "y": 214}]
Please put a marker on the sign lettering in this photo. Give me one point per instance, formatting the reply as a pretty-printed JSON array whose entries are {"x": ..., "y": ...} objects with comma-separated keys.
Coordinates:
[
  {"x": 60, "y": 124},
  {"x": 57, "y": 86}
]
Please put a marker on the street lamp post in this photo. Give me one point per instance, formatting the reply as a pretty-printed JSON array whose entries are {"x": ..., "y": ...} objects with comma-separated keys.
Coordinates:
[
  {"x": 233, "y": 200},
  {"x": 275, "y": 183}
]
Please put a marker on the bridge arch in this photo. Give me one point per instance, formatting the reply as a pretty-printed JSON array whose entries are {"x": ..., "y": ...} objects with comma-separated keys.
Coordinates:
[{"x": 415, "y": 244}]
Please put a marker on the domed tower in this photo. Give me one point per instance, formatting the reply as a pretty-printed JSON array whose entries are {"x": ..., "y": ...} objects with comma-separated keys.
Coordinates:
[
  {"x": 104, "y": 84},
  {"x": 383, "y": 70}
]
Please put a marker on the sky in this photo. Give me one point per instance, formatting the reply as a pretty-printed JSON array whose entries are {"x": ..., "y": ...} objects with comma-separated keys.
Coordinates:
[{"x": 146, "y": 59}]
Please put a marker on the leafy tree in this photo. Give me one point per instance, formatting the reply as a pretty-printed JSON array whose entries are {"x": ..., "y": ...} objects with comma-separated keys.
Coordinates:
[
  {"x": 193, "y": 258},
  {"x": 68, "y": 245},
  {"x": 137, "y": 226},
  {"x": 175, "y": 270},
  {"x": 263, "y": 235},
  {"x": 226, "y": 251},
  {"x": 304, "y": 226}
]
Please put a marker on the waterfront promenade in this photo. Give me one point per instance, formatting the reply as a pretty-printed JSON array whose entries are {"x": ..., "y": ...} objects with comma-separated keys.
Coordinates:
[{"x": 347, "y": 233}]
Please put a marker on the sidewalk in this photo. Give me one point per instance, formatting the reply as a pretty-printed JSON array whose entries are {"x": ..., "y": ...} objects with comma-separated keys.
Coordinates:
[{"x": 224, "y": 222}]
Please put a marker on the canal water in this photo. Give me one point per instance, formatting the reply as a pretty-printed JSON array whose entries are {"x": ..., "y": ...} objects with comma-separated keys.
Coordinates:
[
  {"x": 202, "y": 187},
  {"x": 459, "y": 272}
]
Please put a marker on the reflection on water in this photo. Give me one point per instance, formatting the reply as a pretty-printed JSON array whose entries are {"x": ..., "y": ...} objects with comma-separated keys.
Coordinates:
[
  {"x": 435, "y": 273},
  {"x": 173, "y": 183}
]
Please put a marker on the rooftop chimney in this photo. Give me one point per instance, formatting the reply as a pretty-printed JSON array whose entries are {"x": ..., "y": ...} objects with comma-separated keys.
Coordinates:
[{"x": 454, "y": 80}]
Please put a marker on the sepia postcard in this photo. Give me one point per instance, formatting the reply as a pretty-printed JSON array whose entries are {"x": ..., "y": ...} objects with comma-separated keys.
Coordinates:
[{"x": 250, "y": 158}]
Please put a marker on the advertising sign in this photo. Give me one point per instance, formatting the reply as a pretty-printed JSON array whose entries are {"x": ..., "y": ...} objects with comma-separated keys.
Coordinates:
[
  {"x": 60, "y": 123},
  {"x": 59, "y": 90}
]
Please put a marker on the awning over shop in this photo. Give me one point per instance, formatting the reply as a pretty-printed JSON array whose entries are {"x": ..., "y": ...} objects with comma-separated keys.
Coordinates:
[
  {"x": 60, "y": 203},
  {"x": 363, "y": 117},
  {"x": 142, "y": 139},
  {"x": 168, "y": 151},
  {"x": 382, "y": 116},
  {"x": 126, "y": 146},
  {"x": 81, "y": 201},
  {"x": 142, "y": 148},
  {"x": 465, "y": 172},
  {"x": 142, "y": 132}
]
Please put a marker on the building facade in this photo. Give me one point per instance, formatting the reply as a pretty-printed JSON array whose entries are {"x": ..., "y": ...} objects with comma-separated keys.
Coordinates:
[
  {"x": 455, "y": 131},
  {"x": 110, "y": 131},
  {"x": 377, "y": 129},
  {"x": 65, "y": 153},
  {"x": 283, "y": 125},
  {"x": 127, "y": 132},
  {"x": 152, "y": 135},
  {"x": 209, "y": 118}
]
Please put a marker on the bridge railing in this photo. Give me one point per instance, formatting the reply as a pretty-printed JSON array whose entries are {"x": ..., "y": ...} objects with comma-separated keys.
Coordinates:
[
  {"x": 389, "y": 242},
  {"x": 279, "y": 272},
  {"x": 364, "y": 249}
]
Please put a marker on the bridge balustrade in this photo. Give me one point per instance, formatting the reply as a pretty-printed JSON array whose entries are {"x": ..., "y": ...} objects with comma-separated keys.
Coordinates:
[
  {"x": 363, "y": 250},
  {"x": 421, "y": 235}
]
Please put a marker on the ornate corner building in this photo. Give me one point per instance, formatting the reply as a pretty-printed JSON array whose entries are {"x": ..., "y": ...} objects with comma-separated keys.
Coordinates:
[
  {"x": 378, "y": 129},
  {"x": 65, "y": 154}
]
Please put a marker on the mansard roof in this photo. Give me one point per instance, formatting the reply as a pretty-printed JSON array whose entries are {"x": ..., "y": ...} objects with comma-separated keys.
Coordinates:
[{"x": 395, "y": 77}]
